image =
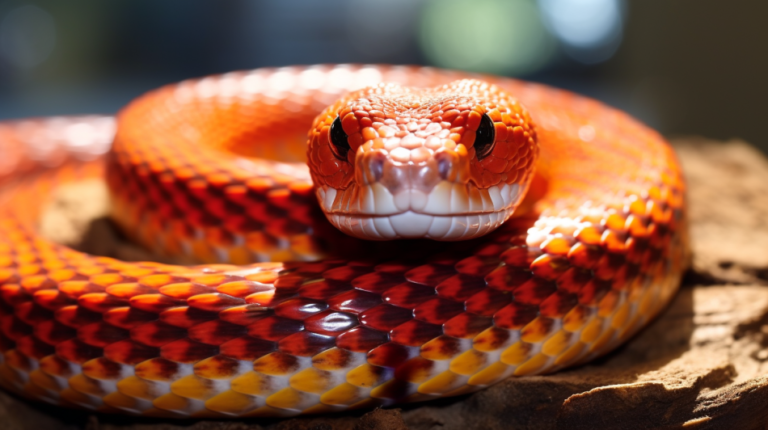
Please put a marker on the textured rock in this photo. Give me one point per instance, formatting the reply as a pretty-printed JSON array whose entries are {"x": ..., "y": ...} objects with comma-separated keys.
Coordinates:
[{"x": 702, "y": 364}]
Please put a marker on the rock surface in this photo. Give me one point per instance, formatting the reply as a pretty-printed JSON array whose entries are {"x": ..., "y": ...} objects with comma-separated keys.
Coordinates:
[{"x": 702, "y": 365}]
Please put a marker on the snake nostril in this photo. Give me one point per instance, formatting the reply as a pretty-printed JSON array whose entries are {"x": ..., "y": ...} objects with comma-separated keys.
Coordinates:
[
  {"x": 377, "y": 166},
  {"x": 443, "y": 167}
]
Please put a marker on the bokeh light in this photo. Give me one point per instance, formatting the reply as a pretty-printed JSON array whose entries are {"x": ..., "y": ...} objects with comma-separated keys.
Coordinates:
[
  {"x": 590, "y": 30},
  {"x": 27, "y": 36},
  {"x": 380, "y": 30},
  {"x": 496, "y": 36}
]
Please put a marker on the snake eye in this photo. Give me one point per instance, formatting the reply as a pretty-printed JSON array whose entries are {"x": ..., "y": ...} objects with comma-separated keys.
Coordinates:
[
  {"x": 484, "y": 139},
  {"x": 339, "y": 140}
]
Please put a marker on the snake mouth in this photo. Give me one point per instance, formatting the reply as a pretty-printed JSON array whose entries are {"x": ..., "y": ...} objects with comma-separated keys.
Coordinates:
[
  {"x": 449, "y": 211},
  {"x": 414, "y": 225}
]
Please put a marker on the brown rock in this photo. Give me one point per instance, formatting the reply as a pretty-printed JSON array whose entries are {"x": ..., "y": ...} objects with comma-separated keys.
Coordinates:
[{"x": 702, "y": 365}]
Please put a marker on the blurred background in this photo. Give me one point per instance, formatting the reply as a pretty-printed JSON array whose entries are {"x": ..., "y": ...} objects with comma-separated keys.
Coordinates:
[{"x": 684, "y": 66}]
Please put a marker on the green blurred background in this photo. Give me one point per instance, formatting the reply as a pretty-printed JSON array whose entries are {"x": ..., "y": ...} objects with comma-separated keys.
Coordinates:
[{"x": 682, "y": 66}]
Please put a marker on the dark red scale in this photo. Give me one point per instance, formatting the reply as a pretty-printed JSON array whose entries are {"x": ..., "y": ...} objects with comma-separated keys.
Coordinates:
[
  {"x": 558, "y": 304},
  {"x": 385, "y": 317},
  {"x": 487, "y": 302},
  {"x": 101, "y": 334},
  {"x": 76, "y": 316},
  {"x": 346, "y": 273},
  {"x": 53, "y": 332},
  {"x": 361, "y": 339},
  {"x": 330, "y": 323},
  {"x": 477, "y": 265},
  {"x": 415, "y": 332},
  {"x": 76, "y": 351},
  {"x": 408, "y": 294},
  {"x": 519, "y": 256},
  {"x": 216, "y": 332},
  {"x": 247, "y": 348},
  {"x": 430, "y": 274},
  {"x": 377, "y": 282},
  {"x": 306, "y": 344},
  {"x": 535, "y": 291},
  {"x": 274, "y": 328},
  {"x": 515, "y": 315},
  {"x": 466, "y": 325},
  {"x": 15, "y": 328},
  {"x": 460, "y": 287},
  {"x": 437, "y": 310},
  {"x": 187, "y": 351},
  {"x": 508, "y": 278},
  {"x": 130, "y": 352},
  {"x": 354, "y": 301},
  {"x": 593, "y": 291},
  {"x": 128, "y": 318},
  {"x": 156, "y": 333},
  {"x": 186, "y": 317},
  {"x": 574, "y": 279},
  {"x": 390, "y": 354},
  {"x": 34, "y": 347},
  {"x": 323, "y": 290},
  {"x": 299, "y": 309},
  {"x": 32, "y": 313}
]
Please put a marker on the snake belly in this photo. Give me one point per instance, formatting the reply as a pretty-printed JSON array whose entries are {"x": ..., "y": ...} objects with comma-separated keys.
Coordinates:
[{"x": 289, "y": 316}]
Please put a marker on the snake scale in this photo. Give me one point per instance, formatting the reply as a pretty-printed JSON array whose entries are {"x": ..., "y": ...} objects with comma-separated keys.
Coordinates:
[{"x": 287, "y": 314}]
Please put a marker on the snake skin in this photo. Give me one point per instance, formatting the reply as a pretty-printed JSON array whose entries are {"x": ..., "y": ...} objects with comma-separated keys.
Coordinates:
[{"x": 289, "y": 316}]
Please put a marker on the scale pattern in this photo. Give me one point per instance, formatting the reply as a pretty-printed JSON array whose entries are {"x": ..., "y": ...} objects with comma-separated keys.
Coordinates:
[{"x": 599, "y": 252}]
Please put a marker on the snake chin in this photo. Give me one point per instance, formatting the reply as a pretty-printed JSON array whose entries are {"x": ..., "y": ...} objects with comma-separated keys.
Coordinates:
[{"x": 448, "y": 212}]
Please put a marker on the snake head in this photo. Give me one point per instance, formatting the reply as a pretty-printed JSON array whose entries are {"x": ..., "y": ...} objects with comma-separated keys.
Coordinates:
[{"x": 446, "y": 163}]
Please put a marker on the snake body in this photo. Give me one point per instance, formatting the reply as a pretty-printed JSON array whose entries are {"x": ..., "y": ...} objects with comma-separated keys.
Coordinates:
[{"x": 288, "y": 315}]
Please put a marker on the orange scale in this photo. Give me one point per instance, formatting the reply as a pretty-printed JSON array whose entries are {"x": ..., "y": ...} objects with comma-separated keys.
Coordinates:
[
  {"x": 8, "y": 275},
  {"x": 128, "y": 290},
  {"x": 52, "y": 299},
  {"x": 32, "y": 284},
  {"x": 26, "y": 258},
  {"x": 244, "y": 314},
  {"x": 107, "y": 279},
  {"x": 100, "y": 302},
  {"x": 90, "y": 270},
  {"x": 242, "y": 288},
  {"x": 214, "y": 302},
  {"x": 184, "y": 290},
  {"x": 159, "y": 280},
  {"x": 28, "y": 269},
  {"x": 56, "y": 366},
  {"x": 58, "y": 273},
  {"x": 19, "y": 360},
  {"x": 154, "y": 302}
]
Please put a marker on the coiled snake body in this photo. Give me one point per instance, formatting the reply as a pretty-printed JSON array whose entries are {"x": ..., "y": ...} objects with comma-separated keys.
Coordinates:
[{"x": 291, "y": 316}]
